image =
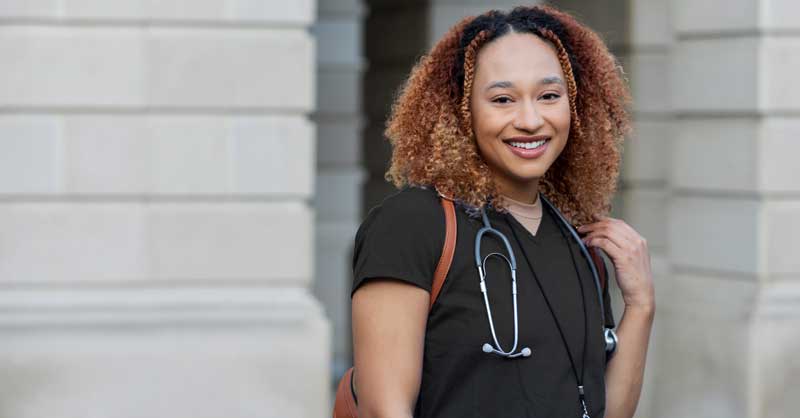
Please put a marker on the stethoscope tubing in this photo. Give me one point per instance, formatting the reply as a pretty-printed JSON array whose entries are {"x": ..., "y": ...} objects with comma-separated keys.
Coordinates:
[{"x": 511, "y": 259}]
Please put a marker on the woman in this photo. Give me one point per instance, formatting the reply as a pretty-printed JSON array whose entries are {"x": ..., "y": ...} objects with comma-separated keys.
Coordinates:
[{"x": 506, "y": 108}]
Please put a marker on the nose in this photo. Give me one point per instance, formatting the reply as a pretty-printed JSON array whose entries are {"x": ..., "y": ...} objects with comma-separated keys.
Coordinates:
[{"x": 528, "y": 118}]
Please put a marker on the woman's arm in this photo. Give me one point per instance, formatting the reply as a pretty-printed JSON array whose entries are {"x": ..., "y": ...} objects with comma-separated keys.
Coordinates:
[
  {"x": 631, "y": 257},
  {"x": 625, "y": 369},
  {"x": 389, "y": 320}
]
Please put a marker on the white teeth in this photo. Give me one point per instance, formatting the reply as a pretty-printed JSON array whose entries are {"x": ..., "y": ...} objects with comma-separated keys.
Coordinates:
[{"x": 527, "y": 145}]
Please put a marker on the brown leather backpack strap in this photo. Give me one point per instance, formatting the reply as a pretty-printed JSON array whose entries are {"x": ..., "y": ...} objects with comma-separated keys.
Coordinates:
[
  {"x": 447, "y": 251},
  {"x": 600, "y": 265}
]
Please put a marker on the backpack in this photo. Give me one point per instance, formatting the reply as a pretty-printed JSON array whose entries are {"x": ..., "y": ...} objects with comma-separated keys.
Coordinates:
[{"x": 346, "y": 401}]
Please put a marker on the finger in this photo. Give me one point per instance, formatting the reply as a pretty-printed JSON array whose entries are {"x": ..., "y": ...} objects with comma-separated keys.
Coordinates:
[
  {"x": 613, "y": 236},
  {"x": 610, "y": 248}
]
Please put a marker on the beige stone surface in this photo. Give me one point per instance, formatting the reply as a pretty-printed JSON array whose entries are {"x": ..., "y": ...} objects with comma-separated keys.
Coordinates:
[
  {"x": 158, "y": 67},
  {"x": 108, "y": 242},
  {"x": 297, "y": 12},
  {"x": 116, "y": 155},
  {"x": 160, "y": 352}
]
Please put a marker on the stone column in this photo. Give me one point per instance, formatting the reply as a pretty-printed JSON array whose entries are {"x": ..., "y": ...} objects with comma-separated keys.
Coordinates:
[
  {"x": 731, "y": 321},
  {"x": 156, "y": 167},
  {"x": 644, "y": 193},
  {"x": 337, "y": 198}
]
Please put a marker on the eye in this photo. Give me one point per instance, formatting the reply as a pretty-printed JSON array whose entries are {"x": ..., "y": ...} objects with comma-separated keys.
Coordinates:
[
  {"x": 551, "y": 96},
  {"x": 498, "y": 99}
]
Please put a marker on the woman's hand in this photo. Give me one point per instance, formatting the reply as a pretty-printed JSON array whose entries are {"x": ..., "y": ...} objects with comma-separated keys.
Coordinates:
[{"x": 628, "y": 251}]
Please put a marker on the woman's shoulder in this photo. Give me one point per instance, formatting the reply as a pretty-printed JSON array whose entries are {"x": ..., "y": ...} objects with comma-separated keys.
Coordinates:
[
  {"x": 415, "y": 201},
  {"x": 401, "y": 238},
  {"x": 411, "y": 210},
  {"x": 410, "y": 204}
]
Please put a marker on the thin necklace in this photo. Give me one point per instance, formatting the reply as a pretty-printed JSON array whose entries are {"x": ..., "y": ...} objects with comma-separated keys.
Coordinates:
[{"x": 528, "y": 207}]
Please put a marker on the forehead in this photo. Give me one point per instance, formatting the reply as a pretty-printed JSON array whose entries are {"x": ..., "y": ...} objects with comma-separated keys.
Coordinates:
[{"x": 517, "y": 56}]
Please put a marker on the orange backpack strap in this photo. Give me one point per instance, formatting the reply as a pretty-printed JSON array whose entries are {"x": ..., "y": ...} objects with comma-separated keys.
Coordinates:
[{"x": 448, "y": 249}]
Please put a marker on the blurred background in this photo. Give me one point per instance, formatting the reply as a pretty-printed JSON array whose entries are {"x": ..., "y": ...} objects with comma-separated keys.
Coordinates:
[{"x": 181, "y": 182}]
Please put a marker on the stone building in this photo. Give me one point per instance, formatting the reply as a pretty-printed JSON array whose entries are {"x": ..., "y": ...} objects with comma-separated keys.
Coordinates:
[{"x": 180, "y": 182}]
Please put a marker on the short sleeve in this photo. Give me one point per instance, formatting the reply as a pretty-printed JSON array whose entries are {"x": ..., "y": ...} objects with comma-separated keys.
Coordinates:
[{"x": 401, "y": 238}]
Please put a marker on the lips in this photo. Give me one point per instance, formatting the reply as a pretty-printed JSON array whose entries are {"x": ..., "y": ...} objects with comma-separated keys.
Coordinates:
[{"x": 528, "y": 153}]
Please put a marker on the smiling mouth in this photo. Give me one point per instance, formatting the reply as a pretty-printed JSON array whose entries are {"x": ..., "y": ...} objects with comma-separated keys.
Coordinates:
[{"x": 527, "y": 143}]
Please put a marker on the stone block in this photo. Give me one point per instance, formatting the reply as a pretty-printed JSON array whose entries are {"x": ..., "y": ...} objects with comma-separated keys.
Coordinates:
[
  {"x": 747, "y": 154},
  {"x": 648, "y": 73},
  {"x": 338, "y": 194},
  {"x": 782, "y": 227},
  {"x": 780, "y": 14},
  {"x": 28, "y": 8},
  {"x": 206, "y": 68},
  {"x": 339, "y": 42},
  {"x": 703, "y": 71},
  {"x": 715, "y": 154},
  {"x": 299, "y": 12},
  {"x": 239, "y": 242},
  {"x": 645, "y": 210},
  {"x": 72, "y": 243},
  {"x": 778, "y": 148},
  {"x": 339, "y": 92},
  {"x": 646, "y": 154},
  {"x": 156, "y": 67},
  {"x": 30, "y": 154},
  {"x": 780, "y": 64},
  {"x": 715, "y": 16},
  {"x": 160, "y": 242},
  {"x": 354, "y": 8},
  {"x": 719, "y": 234},
  {"x": 157, "y": 155},
  {"x": 650, "y": 23},
  {"x": 273, "y": 155},
  {"x": 95, "y": 67},
  {"x": 339, "y": 140}
]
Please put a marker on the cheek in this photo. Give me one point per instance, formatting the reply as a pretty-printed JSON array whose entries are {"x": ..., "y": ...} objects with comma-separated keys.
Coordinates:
[
  {"x": 486, "y": 125},
  {"x": 492, "y": 121},
  {"x": 560, "y": 117}
]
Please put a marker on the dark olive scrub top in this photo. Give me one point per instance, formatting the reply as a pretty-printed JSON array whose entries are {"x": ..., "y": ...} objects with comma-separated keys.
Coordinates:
[{"x": 402, "y": 239}]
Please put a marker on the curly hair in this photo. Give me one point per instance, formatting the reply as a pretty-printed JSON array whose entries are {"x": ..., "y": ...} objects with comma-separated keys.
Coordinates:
[{"x": 430, "y": 130}]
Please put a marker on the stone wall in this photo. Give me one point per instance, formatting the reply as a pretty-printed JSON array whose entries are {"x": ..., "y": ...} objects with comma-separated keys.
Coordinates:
[{"x": 156, "y": 168}]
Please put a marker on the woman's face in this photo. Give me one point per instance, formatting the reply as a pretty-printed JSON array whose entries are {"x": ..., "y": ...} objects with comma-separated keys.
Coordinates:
[{"x": 519, "y": 98}]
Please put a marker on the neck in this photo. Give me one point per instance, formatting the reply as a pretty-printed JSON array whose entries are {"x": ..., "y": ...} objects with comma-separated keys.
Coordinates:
[{"x": 524, "y": 192}]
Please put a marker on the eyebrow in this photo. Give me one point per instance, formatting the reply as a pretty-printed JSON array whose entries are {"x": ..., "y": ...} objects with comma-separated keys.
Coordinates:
[{"x": 544, "y": 81}]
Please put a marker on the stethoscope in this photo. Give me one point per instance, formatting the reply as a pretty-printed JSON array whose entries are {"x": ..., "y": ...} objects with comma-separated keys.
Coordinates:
[{"x": 608, "y": 333}]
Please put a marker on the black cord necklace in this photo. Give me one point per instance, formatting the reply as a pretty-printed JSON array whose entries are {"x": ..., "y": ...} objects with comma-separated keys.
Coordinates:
[{"x": 579, "y": 379}]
